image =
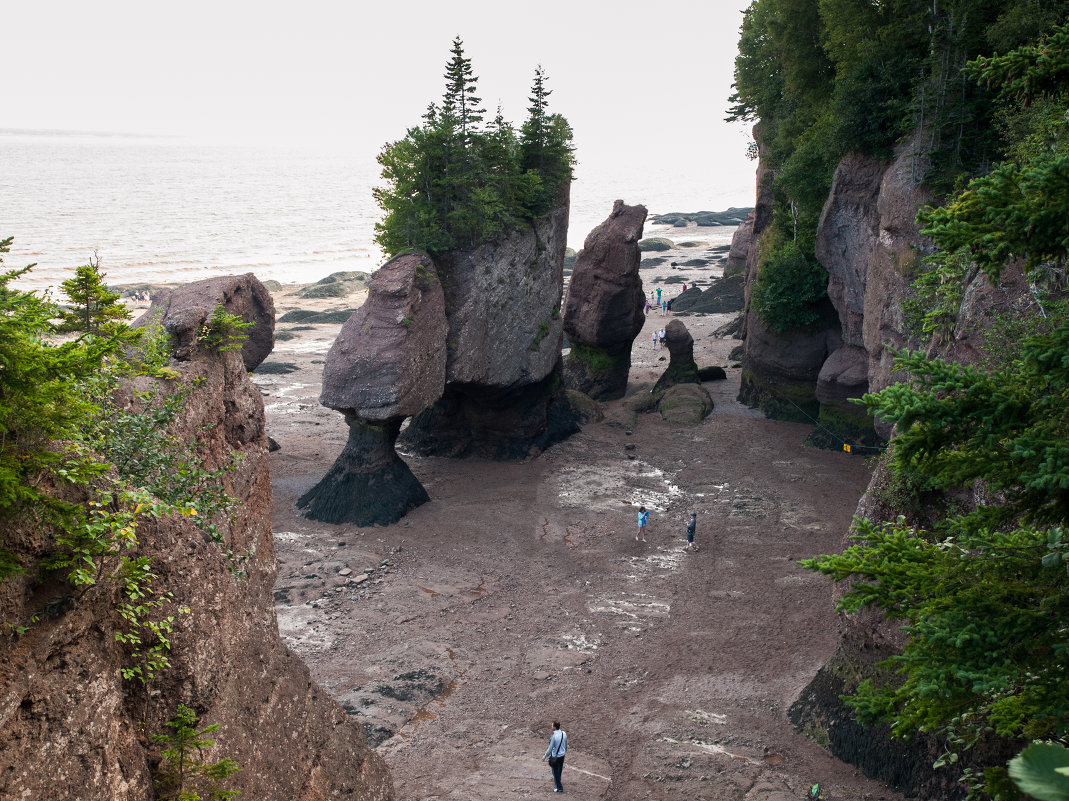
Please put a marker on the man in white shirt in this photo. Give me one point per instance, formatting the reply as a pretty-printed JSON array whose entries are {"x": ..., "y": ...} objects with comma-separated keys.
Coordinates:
[{"x": 558, "y": 744}]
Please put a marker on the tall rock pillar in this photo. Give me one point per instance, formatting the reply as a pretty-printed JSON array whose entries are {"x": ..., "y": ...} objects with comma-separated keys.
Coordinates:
[{"x": 603, "y": 313}]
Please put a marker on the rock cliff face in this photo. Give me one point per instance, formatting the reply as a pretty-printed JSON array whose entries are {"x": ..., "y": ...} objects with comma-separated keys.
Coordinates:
[
  {"x": 869, "y": 242},
  {"x": 779, "y": 371},
  {"x": 72, "y": 728},
  {"x": 388, "y": 363},
  {"x": 504, "y": 396},
  {"x": 603, "y": 313}
]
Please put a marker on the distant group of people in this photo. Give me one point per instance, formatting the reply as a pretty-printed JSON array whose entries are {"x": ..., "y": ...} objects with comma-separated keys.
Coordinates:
[
  {"x": 660, "y": 299},
  {"x": 141, "y": 297},
  {"x": 658, "y": 338}
]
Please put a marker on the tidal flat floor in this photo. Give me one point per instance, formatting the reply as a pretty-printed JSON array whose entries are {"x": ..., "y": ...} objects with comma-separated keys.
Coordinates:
[{"x": 518, "y": 595}]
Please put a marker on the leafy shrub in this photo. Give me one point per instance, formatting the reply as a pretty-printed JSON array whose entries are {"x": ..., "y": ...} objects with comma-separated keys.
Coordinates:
[
  {"x": 223, "y": 331},
  {"x": 788, "y": 289}
]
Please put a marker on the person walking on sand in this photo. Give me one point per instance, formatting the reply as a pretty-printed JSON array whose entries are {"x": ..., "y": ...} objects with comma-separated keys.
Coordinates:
[
  {"x": 664, "y": 306},
  {"x": 558, "y": 745},
  {"x": 658, "y": 296},
  {"x": 643, "y": 519},
  {"x": 655, "y": 339},
  {"x": 691, "y": 525}
]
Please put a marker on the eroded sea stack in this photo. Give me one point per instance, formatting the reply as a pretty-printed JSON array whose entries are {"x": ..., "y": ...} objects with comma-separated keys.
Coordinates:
[
  {"x": 603, "y": 313},
  {"x": 504, "y": 397},
  {"x": 388, "y": 363},
  {"x": 74, "y": 728}
]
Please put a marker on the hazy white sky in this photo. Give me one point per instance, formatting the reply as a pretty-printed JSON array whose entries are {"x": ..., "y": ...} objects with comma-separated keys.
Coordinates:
[{"x": 638, "y": 81}]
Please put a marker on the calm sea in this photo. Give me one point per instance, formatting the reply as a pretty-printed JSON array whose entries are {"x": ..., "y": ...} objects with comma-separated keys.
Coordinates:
[{"x": 170, "y": 211}]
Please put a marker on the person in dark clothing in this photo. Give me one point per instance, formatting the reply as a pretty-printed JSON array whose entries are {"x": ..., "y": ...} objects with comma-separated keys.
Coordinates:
[
  {"x": 691, "y": 524},
  {"x": 558, "y": 745}
]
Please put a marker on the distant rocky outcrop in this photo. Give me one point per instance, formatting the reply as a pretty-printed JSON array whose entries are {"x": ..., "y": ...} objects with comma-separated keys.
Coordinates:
[
  {"x": 388, "y": 363},
  {"x": 504, "y": 394},
  {"x": 73, "y": 728},
  {"x": 336, "y": 285},
  {"x": 604, "y": 310},
  {"x": 724, "y": 296},
  {"x": 182, "y": 310},
  {"x": 732, "y": 216}
]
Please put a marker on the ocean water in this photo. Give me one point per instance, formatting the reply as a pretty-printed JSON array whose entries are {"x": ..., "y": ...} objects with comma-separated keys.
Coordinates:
[{"x": 170, "y": 211}]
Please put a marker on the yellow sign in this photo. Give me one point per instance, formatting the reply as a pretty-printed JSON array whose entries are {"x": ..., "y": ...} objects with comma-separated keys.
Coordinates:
[{"x": 846, "y": 447}]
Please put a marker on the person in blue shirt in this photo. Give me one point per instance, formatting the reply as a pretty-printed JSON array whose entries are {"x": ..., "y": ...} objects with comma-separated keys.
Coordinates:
[
  {"x": 643, "y": 519},
  {"x": 558, "y": 745}
]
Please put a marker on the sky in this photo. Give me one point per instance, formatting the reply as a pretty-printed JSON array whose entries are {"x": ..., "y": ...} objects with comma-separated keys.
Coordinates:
[{"x": 639, "y": 82}]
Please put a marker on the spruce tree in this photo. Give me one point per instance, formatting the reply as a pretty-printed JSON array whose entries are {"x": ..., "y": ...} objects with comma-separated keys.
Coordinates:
[
  {"x": 460, "y": 101},
  {"x": 94, "y": 308}
]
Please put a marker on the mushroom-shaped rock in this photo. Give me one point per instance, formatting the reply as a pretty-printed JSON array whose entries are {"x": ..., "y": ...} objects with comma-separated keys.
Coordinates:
[
  {"x": 389, "y": 358},
  {"x": 682, "y": 368},
  {"x": 388, "y": 363},
  {"x": 183, "y": 311},
  {"x": 603, "y": 313}
]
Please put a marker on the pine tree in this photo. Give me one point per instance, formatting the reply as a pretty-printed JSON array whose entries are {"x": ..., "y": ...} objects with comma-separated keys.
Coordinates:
[
  {"x": 460, "y": 101},
  {"x": 545, "y": 147},
  {"x": 94, "y": 308}
]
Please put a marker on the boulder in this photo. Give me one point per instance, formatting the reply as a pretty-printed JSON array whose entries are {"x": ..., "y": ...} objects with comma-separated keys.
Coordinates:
[
  {"x": 843, "y": 377},
  {"x": 682, "y": 369},
  {"x": 184, "y": 309},
  {"x": 603, "y": 313},
  {"x": 388, "y": 363},
  {"x": 711, "y": 373},
  {"x": 685, "y": 404},
  {"x": 586, "y": 409}
]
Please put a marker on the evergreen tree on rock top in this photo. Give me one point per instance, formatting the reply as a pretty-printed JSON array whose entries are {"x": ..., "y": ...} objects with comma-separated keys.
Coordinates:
[{"x": 453, "y": 183}]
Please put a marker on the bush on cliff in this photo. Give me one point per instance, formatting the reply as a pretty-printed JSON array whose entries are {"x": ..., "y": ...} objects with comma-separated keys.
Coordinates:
[
  {"x": 789, "y": 289},
  {"x": 452, "y": 182},
  {"x": 62, "y": 426}
]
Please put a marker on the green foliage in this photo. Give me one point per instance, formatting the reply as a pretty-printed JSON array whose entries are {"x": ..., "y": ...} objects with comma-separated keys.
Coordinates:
[
  {"x": 60, "y": 423},
  {"x": 940, "y": 286},
  {"x": 94, "y": 309},
  {"x": 789, "y": 289},
  {"x": 223, "y": 331},
  {"x": 40, "y": 399},
  {"x": 1009, "y": 427},
  {"x": 185, "y": 774},
  {"x": 984, "y": 619},
  {"x": 452, "y": 183},
  {"x": 1042, "y": 771}
]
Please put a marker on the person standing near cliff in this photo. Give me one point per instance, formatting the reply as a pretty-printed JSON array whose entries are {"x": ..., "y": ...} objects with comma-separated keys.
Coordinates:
[
  {"x": 691, "y": 525},
  {"x": 643, "y": 519},
  {"x": 558, "y": 745}
]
